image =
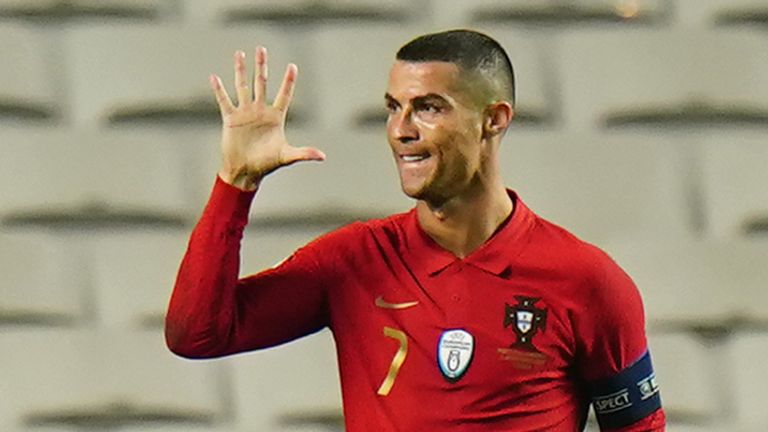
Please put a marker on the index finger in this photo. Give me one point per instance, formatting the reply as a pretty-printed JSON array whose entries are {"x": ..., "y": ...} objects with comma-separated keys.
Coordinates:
[
  {"x": 222, "y": 98},
  {"x": 285, "y": 94}
]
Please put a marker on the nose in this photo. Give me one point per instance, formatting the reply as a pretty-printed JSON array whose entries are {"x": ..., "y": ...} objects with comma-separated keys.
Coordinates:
[{"x": 401, "y": 126}]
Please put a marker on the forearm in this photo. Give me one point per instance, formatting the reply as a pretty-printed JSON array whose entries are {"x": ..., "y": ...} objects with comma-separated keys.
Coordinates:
[{"x": 201, "y": 312}]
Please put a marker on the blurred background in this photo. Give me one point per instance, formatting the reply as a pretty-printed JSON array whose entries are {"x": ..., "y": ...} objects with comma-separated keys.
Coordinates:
[{"x": 641, "y": 126}]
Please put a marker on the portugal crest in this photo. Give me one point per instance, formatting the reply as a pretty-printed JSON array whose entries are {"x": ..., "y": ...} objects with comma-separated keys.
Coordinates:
[{"x": 526, "y": 320}]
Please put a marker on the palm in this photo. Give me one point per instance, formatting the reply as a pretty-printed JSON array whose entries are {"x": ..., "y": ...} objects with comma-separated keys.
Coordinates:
[
  {"x": 256, "y": 137},
  {"x": 253, "y": 132}
]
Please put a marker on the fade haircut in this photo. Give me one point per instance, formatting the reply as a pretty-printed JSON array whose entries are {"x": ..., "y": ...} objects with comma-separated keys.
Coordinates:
[{"x": 472, "y": 52}]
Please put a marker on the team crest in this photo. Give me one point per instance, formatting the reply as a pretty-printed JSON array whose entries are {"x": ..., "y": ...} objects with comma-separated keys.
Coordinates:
[
  {"x": 526, "y": 320},
  {"x": 454, "y": 353}
]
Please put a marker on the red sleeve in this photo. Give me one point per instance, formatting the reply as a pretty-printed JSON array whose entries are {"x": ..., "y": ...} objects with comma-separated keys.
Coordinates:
[
  {"x": 213, "y": 313},
  {"x": 611, "y": 334}
]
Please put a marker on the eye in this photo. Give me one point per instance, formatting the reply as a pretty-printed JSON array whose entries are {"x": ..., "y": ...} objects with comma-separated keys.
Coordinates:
[
  {"x": 429, "y": 107},
  {"x": 391, "y": 106}
]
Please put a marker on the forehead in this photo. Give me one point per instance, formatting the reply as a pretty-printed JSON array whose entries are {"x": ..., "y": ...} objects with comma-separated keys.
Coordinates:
[{"x": 412, "y": 79}]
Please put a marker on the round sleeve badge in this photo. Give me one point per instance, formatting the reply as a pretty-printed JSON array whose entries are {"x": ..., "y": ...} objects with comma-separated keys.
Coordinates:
[{"x": 454, "y": 353}]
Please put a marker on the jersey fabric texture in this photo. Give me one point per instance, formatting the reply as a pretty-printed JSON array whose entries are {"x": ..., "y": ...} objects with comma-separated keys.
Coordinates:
[{"x": 510, "y": 338}]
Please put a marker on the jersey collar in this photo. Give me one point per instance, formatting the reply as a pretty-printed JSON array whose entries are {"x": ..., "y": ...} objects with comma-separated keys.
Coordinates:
[{"x": 494, "y": 256}]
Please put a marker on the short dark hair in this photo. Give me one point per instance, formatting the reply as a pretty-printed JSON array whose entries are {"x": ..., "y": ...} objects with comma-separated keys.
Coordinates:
[{"x": 472, "y": 51}]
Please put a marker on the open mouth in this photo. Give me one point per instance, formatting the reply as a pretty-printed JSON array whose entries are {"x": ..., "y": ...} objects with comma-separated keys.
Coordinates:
[{"x": 414, "y": 157}]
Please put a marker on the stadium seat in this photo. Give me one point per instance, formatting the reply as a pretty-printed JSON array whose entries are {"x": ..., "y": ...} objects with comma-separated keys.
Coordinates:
[
  {"x": 28, "y": 89},
  {"x": 276, "y": 388},
  {"x": 160, "y": 76},
  {"x": 177, "y": 428},
  {"x": 749, "y": 375},
  {"x": 353, "y": 80},
  {"x": 266, "y": 246},
  {"x": 64, "y": 9},
  {"x": 133, "y": 274},
  {"x": 297, "y": 11},
  {"x": 711, "y": 13},
  {"x": 715, "y": 426},
  {"x": 65, "y": 177},
  {"x": 41, "y": 282},
  {"x": 707, "y": 286},
  {"x": 357, "y": 180},
  {"x": 663, "y": 79},
  {"x": 749, "y": 275},
  {"x": 458, "y": 13},
  {"x": 33, "y": 181},
  {"x": 598, "y": 186},
  {"x": 102, "y": 380},
  {"x": 684, "y": 368},
  {"x": 675, "y": 426},
  {"x": 734, "y": 181}
]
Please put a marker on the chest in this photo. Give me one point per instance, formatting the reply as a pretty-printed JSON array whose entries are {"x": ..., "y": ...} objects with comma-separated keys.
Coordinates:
[{"x": 460, "y": 328}]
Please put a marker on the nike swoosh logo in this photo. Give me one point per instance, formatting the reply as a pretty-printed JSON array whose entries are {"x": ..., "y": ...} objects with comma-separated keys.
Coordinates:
[{"x": 380, "y": 302}]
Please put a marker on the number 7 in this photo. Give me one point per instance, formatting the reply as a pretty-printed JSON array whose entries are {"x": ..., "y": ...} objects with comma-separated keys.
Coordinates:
[{"x": 397, "y": 360}]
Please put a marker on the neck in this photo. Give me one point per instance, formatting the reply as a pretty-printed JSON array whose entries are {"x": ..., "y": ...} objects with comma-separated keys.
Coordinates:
[{"x": 463, "y": 223}]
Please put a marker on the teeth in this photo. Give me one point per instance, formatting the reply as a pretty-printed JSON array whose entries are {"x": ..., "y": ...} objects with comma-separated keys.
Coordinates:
[{"x": 414, "y": 158}]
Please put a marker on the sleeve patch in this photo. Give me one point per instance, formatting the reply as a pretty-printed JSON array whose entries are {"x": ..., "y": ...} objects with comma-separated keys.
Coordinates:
[{"x": 627, "y": 397}]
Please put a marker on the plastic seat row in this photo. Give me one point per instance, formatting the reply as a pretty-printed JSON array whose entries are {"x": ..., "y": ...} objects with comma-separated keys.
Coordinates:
[
  {"x": 591, "y": 78},
  {"x": 600, "y": 186},
  {"x": 124, "y": 279},
  {"x": 55, "y": 176},
  {"x": 94, "y": 379},
  {"x": 442, "y": 13},
  {"x": 115, "y": 279},
  {"x": 698, "y": 285},
  {"x": 709, "y": 388},
  {"x": 88, "y": 180}
]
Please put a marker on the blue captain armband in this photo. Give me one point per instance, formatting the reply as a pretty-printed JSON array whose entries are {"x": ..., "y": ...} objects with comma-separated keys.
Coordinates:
[{"x": 627, "y": 397}]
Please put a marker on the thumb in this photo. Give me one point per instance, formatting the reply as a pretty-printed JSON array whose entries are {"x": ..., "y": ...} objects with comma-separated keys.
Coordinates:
[{"x": 297, "y": 154}]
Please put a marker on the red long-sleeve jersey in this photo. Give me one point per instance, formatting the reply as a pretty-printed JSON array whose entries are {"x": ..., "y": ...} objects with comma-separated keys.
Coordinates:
[{"x": 521, "y": 335}]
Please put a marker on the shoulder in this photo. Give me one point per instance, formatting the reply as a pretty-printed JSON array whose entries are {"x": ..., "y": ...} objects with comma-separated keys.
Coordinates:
[
  {"x": 599, "y": 276},
  {"x": 584, "y": 257}
]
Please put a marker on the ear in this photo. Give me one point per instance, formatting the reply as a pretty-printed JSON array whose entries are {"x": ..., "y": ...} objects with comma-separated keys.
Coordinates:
[{"x": 498, "y": 116}]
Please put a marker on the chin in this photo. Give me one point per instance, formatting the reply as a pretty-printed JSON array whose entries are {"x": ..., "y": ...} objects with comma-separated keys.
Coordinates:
[
  {"x": 411, "y": 193},
  {"x": 415, "y": 191},
  {"x": 424, "y": 194}
]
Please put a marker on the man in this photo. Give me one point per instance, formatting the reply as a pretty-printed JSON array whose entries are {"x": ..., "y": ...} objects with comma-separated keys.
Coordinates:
[{"x": 468, "y": 313}]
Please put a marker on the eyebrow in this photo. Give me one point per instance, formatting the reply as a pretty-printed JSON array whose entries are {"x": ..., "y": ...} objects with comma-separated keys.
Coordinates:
[{"x": 425, "y": 98}]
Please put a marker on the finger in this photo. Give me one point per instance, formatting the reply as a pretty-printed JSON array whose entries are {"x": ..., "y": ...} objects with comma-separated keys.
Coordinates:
[
  {"x": 291, "y": 155},
  {"x": 241, "y": 82},
  {"x": 260, "y": 76},
  {"x": 285, "y": 94},
  {"x": 222, "y": 98}
]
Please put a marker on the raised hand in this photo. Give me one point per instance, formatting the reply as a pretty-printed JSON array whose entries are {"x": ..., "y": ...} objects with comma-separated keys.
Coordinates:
[{"x": 253, "y": 142}]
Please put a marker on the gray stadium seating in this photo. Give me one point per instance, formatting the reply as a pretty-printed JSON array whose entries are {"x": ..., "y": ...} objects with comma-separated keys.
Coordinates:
[
  {"x": 641, "y": 127},
  {"x": 662, "y": 79}
]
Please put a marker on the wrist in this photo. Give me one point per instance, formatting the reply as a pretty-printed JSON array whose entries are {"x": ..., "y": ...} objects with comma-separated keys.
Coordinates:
[{"x": 240, "y": 180}]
